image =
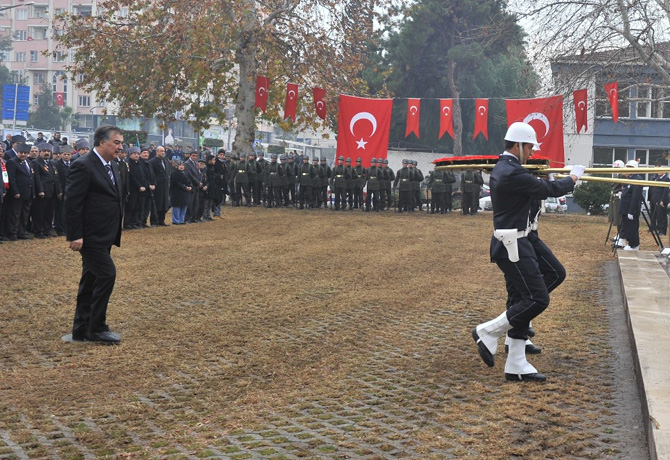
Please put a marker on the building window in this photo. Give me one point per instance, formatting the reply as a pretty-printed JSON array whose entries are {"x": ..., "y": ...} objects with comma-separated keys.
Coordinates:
[
  {"x": 38, "y": 78},
  {"x": 80, "y": 78},
  {"x": 6, "y": 56},
  {"x": 652, "y": 102},
  {"x": 59, "y": 56},
  {"x": 20, "y": 56},
  {"x": 17, "y": 76},
  {"x": 36, "y": 99},
  {"x": 606, "y": 156},
  {"x": 34, "y": 56},
  {"x": 22, "y": 14},
  {"x": 84, "y": 101},
  {"x": 21, "y": 35}
]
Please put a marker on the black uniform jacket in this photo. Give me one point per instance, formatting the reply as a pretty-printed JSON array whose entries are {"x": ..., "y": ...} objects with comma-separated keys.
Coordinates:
[
  {"x": 512, "y": 189},
  {"x": 93, "y": 204},
  {"x": 631, "y": 197}
]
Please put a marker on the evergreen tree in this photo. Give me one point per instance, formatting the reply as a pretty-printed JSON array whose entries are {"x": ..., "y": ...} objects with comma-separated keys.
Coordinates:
[
  {"x": 460, "y": 49},
  {"x": 48, "y": 115}
]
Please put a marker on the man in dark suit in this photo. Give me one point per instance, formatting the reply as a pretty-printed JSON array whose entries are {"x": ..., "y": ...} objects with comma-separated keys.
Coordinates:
[
  {"x": 63, "y": 167},
  {"x": 45, "y": 206},
  {"x": 629, "y": 208},
  {"x": 24, "y": 186},
  {"x": 11, "y": 152},
  {"x": 193, "y": 173},
  {"x": 93, "y": 215},
  {"x": 513, "y": 189},
  {"x": 162, "y": 170}
]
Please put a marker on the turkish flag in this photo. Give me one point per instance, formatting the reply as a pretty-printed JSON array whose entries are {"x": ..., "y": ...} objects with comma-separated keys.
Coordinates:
[
  {"x": 613, "y": 96},
  {"x": 581, "y": 107},
  {"x": 446, "y": 117},
  {"x": 291, "y": 104},
  {"x": 60, "y": 99},
  {"x": 363, "y": 128},
  {"x": 262, "y": 85},
  {"x": 545, "y": 115},
  {"x": 413, "y": 112},
  {"x": 319, "y": 102},
  {"x": 481, "y": 118}
]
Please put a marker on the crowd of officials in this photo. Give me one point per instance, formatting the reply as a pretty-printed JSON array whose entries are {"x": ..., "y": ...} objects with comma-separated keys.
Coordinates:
[{"x": 195, "y": 185}]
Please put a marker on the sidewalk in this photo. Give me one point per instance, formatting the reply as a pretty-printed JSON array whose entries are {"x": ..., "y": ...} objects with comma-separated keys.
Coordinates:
[{"x": 646, "y": 291}]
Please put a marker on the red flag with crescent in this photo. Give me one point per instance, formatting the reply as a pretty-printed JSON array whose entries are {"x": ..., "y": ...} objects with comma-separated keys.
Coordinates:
[
  {"x": 262, "y": 85},
  {"x": 60, "y": 99},
  {"x": 413, "y": 112},
  {"x": 581, "y": 107},
  {"x": 446, "y": 117},
  {"x": 612, "y": 90},
  {"x": 320, "y": 102},
  {"x": 363, "y": 128},
  {"x": 481, "y": 118},
  {"x": 291, "y": 104},
  {"x": 545, "y": 115}
]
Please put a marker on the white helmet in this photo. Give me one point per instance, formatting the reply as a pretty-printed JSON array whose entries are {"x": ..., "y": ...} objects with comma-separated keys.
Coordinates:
[
  {"x": 521, "y": 132},
  {"x": 618, "y": 164},
  {"x": 631, "y": 164}
]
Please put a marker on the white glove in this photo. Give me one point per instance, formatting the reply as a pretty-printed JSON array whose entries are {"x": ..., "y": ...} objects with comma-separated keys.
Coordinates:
[
  {"x": 577, "y": 170},
  {"x": 552, "y": 177},
  {"x": 630, "y": 217}
]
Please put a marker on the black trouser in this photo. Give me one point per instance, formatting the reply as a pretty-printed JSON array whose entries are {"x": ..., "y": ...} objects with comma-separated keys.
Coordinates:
[
  {"x": 193, "y": 205},
  {"x": 404, "y": 200},
  {"x": 59, "y": 217},
  {"x": 388, "y": 198},
  {"x": 340, "y": 198},
  {"x": 468, "y": 203},
  {"x": 133, "y": 210},
  {"x": 631, "y": 229},
  {"x": 350, "y": 196},
  {"x": 290, "y": 197},
  {"x": 659, "y": 218},
  {"x": 324, "y": 195},
  {"x": 273, "y": 197},
  {"x": 526, "y": 285},
  {"x": 242, "y": 190},
  {"x": 358, "y": 197},
  {"x": 438, "y": 202},
  {"x": 372, "y": 198},
  {"x": 145, "y": 208},
  {"x": 417, "y": 198},
  {"x": 17, "y": 220},
  {"x": 256, "y": 190},
  {"x": 447, "y": 200},
  {"x": 43, "y": 215},
  {"x": 316, "y": 196},
  {"x": 305, "y": 194},
  {"x": 98, "y": 276},
  {"x": 233, "y": 194}
]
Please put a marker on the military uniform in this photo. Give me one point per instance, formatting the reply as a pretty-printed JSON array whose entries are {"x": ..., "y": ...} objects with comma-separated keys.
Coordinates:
[
  {"x": 471, "y": 182},
  {"x": 255, "y": 179},
  {"x": 374, "y": 186},
  {"x": 317, "y": 199},
  {"x": 274, "y": 173},
  {"x": 438, "y": 182},
  {"x": 325, "y": 180},
  {"x": 242, "y": 178},
  {"x": 352, "y": 181},
  {"x": 403, "y": 183},
  {"x": 263, "y": 163},
  {"x": 416, "y": 185},
  {"x": 291, "y": 176},
  {"x": 341, "y": 174},
  {"x": 283, "y": 181},
  {"x": 360, "y": 173},
  {"x": 306, "y": 174},
  {"x": 387, "y": 184}
]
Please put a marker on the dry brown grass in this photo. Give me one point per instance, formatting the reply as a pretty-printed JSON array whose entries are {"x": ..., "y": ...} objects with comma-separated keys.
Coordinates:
[{"x": 289, "y": 334}]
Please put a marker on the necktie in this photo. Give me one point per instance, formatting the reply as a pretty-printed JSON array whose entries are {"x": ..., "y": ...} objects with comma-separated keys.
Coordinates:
[
  {"x": 108, "y": 167},
  {"x": 27, "y": 166},
  {"x": 67, "y": 163}
]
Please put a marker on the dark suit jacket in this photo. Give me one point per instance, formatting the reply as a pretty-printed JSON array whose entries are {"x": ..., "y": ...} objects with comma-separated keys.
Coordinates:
[
  {"x": 20, "y": 181},
  {"x": 93, "y": 204},
  {"x": 162, "y": 192},
  {"x": 631, "y": 198},
  {"x": 513, "y": 188},
  {"x": 48, "y": 175}
]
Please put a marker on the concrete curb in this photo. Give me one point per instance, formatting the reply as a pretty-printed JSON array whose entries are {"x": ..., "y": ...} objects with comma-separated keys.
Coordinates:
[{"x": 646, "y": 293}]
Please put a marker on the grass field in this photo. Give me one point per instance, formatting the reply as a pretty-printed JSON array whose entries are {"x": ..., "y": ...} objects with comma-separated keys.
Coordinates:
[{"x": 304, "y": 334}]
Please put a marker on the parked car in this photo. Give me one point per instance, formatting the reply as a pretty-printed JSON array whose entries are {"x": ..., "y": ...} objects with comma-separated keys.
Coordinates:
[
  {"x": 553, "y": 204},
  {"x": 485, "y": 204}
]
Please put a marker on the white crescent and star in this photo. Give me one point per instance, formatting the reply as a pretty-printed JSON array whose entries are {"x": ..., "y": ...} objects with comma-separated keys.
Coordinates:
[
  {"x": 320, "y": 105},
  {"x": 481, "y": 109},
  {"x": 538, "y": 116},
  {"x": 262, "y": 90},
  {"x": 613, "y": 92},
  {"x": 363, "y": 116},
  {"x": 413, "y": 110},
  {"x": 291, "y": 94},
  {"x": 446, "y": 110},
  {"x": 581, "y": 105}
]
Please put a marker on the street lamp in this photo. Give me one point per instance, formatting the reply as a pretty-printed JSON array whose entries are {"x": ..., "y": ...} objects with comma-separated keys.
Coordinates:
[{"x": 93, "y": 116}]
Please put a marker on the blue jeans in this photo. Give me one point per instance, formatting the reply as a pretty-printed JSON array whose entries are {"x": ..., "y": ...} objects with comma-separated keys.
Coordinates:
[{"x": 178, "y": 215}]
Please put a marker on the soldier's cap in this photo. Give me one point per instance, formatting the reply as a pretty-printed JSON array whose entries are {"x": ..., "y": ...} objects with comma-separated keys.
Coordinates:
[
  {"x": 348, "y": 160},
  {"x": 386, "y": 161},
  {"x": 23, "y": 148},
  {"x": 66, "y": 149},
  {"x": 373, "y": 160},
  {"x": 323, "y": 158},
  {"x": 243, "y": 155},
  {"x": 144, "y": 148},
  {"x": 236, "y": 157},
  {"x": 261, "y": 154},
  {"x": 82, "y": 144},
  {"x": 133, "y": 149},
  {"x": 358, "y": 160},
  {"x": 404, "y": 161},
  {"x": 340, "y": 157},
  {"x": 56, "y": 149},
  {"x": 227, "y": 154},
  {"x": 290, "y": 156},
  {"x": 18, "y": 138},
  {"x": 45, "y": 146},
  {"x": 252, "y": 154},
  {"x": 315, "y": 159},
  {"x": 273, "y": 156},
  {"x": 282, "y": 157}
]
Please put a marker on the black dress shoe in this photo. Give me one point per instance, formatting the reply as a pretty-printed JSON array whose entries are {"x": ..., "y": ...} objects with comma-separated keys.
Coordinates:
[
  {"x": 537, "y": 377},
  {"x": 530, "y": 349},
  {"x": 484, "y": 352},
  {"x": 531, "y": 332},
  {"x": 104, "y": 337}
]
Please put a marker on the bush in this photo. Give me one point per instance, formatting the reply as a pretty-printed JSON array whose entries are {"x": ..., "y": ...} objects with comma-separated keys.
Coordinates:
[
  {"x": 592, "y": 196},
  {"x": 134, "y": 137},
  {"x": 212, "y": 142},
  {"x": 278, "y": 149}
]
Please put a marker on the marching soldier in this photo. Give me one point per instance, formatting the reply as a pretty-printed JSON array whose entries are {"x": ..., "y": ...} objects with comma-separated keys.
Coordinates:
[
  {"x": 361, "y": 177},
  {"x": 352, "y": 182},
  {"x": 374, "y": 186},
  {"x": 305, "y": 174},
  {"x": 339, "y": 183},
  {"x": 403, "y": 183}
]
